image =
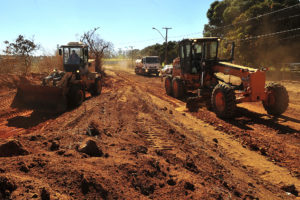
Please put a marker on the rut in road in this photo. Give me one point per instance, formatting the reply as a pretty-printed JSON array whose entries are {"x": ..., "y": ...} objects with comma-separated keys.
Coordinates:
[{"x": 152, "y": 129}]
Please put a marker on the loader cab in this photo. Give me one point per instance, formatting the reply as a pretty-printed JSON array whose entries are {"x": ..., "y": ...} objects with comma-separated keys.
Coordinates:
[
  {"x": 196, "y": 54},
  {"x": 75, "y": 55}
]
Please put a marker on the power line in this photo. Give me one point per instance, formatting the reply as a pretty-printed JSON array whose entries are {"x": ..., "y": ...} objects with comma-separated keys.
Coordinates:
[
  {"x": 257, "y": 17},
  {"x": 265, "y": 35},
  {"x": 290, "y": 37},
  {"x": 222, "y": 27}
]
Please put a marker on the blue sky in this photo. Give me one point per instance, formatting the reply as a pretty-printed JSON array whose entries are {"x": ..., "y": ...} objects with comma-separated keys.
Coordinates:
[{"x": 122, "y": 22}]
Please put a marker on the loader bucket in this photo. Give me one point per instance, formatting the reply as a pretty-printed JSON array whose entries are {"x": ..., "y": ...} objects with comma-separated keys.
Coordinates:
[{"x": 40, "y": 98}]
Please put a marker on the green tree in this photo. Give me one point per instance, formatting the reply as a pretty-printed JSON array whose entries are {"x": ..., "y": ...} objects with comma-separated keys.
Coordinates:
[
  {"x": 22, "y": 48},
  {"x": 159, "y": 50},
  {"x": 258, "y": 34}
]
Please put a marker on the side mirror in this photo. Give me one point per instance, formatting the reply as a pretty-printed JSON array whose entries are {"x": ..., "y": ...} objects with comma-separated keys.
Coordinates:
[{"x": 60, "y": 52}]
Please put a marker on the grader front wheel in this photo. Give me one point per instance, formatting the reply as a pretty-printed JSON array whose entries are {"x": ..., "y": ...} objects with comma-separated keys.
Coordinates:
[
  {"x": 223, "y": 101},
  {"x": 277, "y": 99}
]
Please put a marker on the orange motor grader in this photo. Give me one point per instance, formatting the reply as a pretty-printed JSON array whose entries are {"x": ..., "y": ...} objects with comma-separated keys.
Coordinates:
[{"x": 197, "y": 69}]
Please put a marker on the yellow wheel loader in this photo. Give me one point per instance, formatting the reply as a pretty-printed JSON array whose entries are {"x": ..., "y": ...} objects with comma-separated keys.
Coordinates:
[{"x": 61, "y": 90}]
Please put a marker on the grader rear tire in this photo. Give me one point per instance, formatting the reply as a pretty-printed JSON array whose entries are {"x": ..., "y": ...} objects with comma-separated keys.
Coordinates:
[
  {"x": 277, "y": 99},
  {"x": 168, "y": 85},
  {"x": 178, "y": 88},
  {"x": 223, "y": 101}
]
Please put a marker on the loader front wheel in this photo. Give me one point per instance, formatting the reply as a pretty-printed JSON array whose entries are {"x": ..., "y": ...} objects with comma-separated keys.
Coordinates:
[
  {"x": 277, "y": 99},
  {"x": 97, "y": 87},
  {"x": 168, "y": 85},
  {"x": 223, "y": 101},
  {"x": 76, "y": 96}
]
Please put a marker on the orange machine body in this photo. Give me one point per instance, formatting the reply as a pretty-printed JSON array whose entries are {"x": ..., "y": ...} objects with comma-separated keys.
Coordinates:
[{"x": 253, "y": 80}]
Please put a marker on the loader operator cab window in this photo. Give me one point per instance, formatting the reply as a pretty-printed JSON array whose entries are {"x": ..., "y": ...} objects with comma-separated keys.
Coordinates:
[{"x": 73, "y": 56}]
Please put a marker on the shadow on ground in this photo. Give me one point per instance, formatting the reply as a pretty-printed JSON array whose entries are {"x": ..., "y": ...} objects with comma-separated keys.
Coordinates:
[{"x": 30, "y": 121}]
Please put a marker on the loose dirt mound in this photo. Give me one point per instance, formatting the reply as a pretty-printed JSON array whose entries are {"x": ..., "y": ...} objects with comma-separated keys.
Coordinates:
[
  {"x": 10, "y": 81},
  {"x": 12, "y": 148}
]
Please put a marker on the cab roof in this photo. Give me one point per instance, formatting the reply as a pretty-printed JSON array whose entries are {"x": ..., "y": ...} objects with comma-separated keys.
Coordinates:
[
  {"x": 201, "y": 39},
  {"x": 150, "y": 56},
  {"x": 74, "y": 45}
]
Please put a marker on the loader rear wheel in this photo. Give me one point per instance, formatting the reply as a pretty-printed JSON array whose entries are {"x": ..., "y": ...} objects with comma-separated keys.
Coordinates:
[
  {"x": 223, "y": 101},
  {"x": 97, "y": 87},
  {"x": 277, "y": 99},
  {"x": 178, "y": 88},
  {"x": 168, "y": 85}
]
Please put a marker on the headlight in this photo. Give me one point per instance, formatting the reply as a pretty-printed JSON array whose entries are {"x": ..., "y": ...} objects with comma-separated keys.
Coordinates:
[{"x": 77, "y": 71}]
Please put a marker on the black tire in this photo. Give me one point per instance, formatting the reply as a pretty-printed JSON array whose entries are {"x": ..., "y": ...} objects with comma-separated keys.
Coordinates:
[
  {"x": 207, "y": 97},
  {"x": 223, "y": 101},
  {"x": 168, "y": 85},
  {"x": 97, "y": 87},
  {"x": 76, "y": 96},
  {"x": 277, "y": 99},
  {"x": 178, "y": 88},
  {"x": 192, "y": 104}
]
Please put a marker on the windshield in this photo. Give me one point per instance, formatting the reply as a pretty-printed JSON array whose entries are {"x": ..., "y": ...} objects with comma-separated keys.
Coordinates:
[
  {"x": 73, "y": 56},
  {"x": 211, "y": 50},
  {"x": 152, "y": 60},
  {"x": 197, "y": 51}
]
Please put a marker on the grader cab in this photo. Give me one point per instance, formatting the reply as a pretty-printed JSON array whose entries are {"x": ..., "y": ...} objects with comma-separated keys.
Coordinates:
[{"x": 198, "y": 68}]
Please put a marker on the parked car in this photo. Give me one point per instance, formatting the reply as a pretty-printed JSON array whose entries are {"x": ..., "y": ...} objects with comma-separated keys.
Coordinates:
[{"x": 167, "y": 69}]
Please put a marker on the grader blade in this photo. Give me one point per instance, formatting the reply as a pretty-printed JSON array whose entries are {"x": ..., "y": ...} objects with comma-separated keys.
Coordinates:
[{"x": 40, "y": 98}]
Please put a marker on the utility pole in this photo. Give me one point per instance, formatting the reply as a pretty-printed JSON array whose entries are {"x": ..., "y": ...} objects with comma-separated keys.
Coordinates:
[
  {"x": 166, "y": 40},
  {"x": 166, "y": 53}
]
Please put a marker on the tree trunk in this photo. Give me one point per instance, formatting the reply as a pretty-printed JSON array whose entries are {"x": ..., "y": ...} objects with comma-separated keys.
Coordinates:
[{"x": 98, "y": 66}]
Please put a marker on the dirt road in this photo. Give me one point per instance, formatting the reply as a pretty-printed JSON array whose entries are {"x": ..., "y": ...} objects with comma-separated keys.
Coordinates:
[{"x": 151, "y": 148}]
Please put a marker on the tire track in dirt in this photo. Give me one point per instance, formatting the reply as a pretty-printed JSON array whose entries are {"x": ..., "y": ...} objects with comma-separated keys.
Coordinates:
[{"x": 153, "y": 135}]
